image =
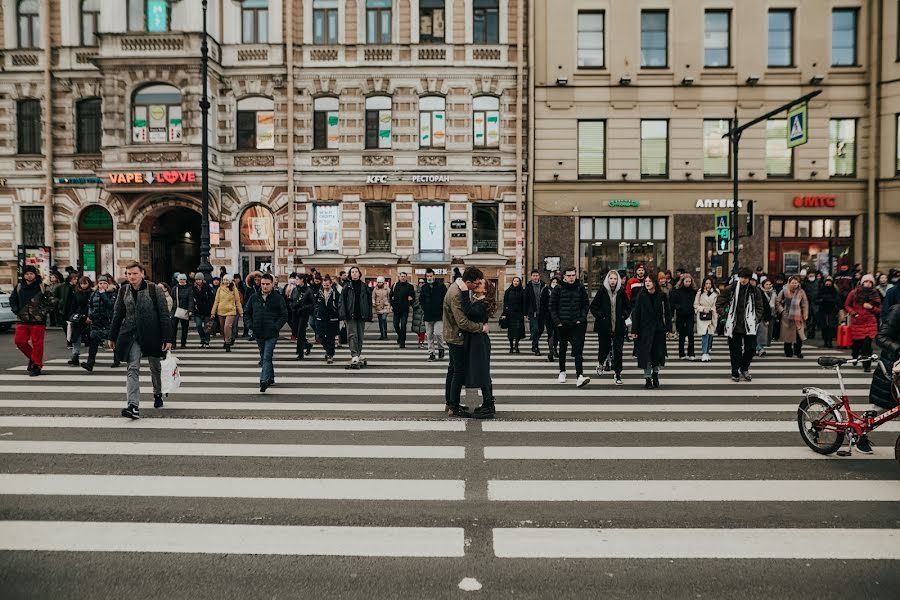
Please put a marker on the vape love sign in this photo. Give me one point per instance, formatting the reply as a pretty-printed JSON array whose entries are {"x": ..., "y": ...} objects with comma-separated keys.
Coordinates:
[{"x": 149, "y": 178}]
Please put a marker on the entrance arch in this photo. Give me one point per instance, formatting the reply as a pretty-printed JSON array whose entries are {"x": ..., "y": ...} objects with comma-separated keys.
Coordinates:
[
  {"x": 95, "y": 242},
  {"x": 170, "y": 242}
]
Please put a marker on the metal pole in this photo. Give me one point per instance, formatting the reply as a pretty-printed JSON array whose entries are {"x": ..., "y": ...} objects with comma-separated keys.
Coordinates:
[
  {"x": 204, "y": 267},
  {"x": 735, "y": 226}
]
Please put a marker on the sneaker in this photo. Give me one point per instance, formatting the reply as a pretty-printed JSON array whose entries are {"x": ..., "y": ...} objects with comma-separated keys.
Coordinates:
[
  {"x": 562, "y": 377},
  {"x": 329, "y": 360},
  {"x": 157, "y": 400},
  {"x": 458, "y": 411},
  {"x": 34, "y": 372},
  {"x": 705, "y": 358},
  {"x": 293, "y": 338},
  {"x": 87, "y": 366},
  {"x": 30, "y": 365},
  {"x": 487, "y": 410},
  {"x": 648, "y": 383},
  {"x": 735, "y": 377},
  {"x": 746, "y": 375},
  {"x": 692, "y": 358},
  {"x": 863, "y": 445},
  {"x": 582, "y": 381},
  {"x": 354, "y": 360},
  {"x": 431, "y": 357},
  {"x": 682, "y": 358},
  {"x": 655, "y": 379},
  {"x": 132, "y": 412},
  {"x": 619, "y": 380},
  {"x": 763, "y": 354}
]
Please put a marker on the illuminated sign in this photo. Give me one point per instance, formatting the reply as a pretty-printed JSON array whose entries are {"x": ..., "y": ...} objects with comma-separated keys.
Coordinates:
[
  {"x": 79, "y": 180},
  {"x": 815, "y": 201},
  {"x": 149, "y": 178},
  {"x": 624, "y": 203}
]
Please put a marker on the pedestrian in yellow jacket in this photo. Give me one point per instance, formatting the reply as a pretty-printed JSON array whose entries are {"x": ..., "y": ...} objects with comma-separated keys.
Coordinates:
[{"x": 227, "y": 307}]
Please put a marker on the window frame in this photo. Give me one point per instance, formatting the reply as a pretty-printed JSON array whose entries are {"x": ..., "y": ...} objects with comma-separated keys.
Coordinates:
[
  {"x": 578, "y": 32},
  {"x": 728, "y": 159},
  {"x": 853, "y": 10},
  {"x": 490, "y": 206},
  {"x": 852, "y": 174},
  {"x": 426, "y": 9},
  {"x": 721, "y": 11},
  {"x": 378, "y": 36},
  {"x": 896, "y": 144},
  {"x": 258, "y": 13},
  {"x": 324, "y": 13},
  {"x": 372, "y": 138},
  {"x": 369, "y": 228},
  {"x": 31, "y": 19},
  {"x": 431, "y": 120},
  {"x": 94, "y": 15},
  {"x": 443, "y": 226},
  {"x": 668, "y": 150},
  {"x": 486, "y": 114},
  {"x": 134, "y": 111},
  {"x": 321, "y": 127},
  {"x": 30, "y": 145},
  {"x": 654, "y": 11},
  {"x": 82, "y": 122},
  {"x": 143, "y": 28},
  {"x": 790, "y": 174},
  {"x": 23, "y": 220},
  {"x": 603, "y": 150},
  {"x": 792, "y": 63},
  {"x": 485, "y": 12}
]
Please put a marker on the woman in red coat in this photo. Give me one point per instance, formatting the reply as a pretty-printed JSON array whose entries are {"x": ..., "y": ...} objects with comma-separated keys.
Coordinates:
[{"x": 863, "y": 305}]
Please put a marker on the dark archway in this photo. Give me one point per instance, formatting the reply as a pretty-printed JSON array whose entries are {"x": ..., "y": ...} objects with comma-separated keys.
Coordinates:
[
  {"x": 95, "y": 242},
  {"x": 170, "y": 243}
]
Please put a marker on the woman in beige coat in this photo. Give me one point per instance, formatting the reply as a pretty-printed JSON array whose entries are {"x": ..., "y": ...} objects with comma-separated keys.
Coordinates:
[
  {"x": 793, "y": 308},
  {"x": 706, "y": 316},
  {"x": 227, "y": 307}
]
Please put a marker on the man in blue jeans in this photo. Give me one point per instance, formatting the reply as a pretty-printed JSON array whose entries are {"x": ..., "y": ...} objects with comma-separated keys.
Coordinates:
[{"x": 266, "y": 311}]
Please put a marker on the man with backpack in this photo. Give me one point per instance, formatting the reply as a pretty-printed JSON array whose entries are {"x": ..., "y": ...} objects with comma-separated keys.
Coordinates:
[{"x": 32, "y": 303}]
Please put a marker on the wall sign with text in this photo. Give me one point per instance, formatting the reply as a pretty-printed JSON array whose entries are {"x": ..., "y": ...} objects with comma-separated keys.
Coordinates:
[
  {"x": 815, "y": 201},
  {"x": 151, "y": 178}
]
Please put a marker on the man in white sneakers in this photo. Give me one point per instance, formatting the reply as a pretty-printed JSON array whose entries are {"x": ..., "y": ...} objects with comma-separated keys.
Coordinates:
[{"x": 569, "y": 308}]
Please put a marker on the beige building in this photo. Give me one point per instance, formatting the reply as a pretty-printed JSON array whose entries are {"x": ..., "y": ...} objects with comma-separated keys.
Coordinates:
[
  {"x": 630, "y": 101},
  {"x": 385, "y": 133}
]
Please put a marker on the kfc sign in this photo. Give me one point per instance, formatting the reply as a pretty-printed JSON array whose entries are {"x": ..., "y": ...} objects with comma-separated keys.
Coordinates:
[
  {"x": 815, "y": 201},
  {"x": 149, "y": 178}
]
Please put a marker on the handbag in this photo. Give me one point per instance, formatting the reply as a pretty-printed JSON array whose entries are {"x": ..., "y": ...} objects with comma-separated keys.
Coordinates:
[
  {"x": 181, "y": 313},
  {"x": 504, "y": 322},
  {"x": 705, "y": 316},
  {"x": 209, "y": 325}
]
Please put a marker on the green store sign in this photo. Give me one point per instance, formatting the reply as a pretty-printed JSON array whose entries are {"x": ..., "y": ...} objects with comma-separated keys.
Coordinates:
[{"x": 624, "y": 203}]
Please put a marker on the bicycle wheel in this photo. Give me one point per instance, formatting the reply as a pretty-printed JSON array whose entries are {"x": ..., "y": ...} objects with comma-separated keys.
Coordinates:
[
  {"x": 823, "y": 441},
  {"x": 897, "y": 449}
]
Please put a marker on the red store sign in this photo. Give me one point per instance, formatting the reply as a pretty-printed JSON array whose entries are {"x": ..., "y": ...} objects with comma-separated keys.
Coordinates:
[
  {"x": 149, "y": 178},
  {"x": 815, "y": 201}
]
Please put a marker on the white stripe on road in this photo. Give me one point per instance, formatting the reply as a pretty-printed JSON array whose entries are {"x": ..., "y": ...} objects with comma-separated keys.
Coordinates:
[
  {"x": 232, "y": 487},
  {"x": 869, "y": 544},
  {"x": 197, "y": 538},
  {"x": 664, "y": 453},
  {"x": 749, "y": 490},
  {"x": 242, "y": 450},
  {"x": 231, "y": 424},
  {"x": 650, "y": 427}
]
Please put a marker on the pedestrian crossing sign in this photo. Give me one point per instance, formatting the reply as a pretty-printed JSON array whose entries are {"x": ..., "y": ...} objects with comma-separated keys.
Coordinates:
[{"x": 797, "y": 126}]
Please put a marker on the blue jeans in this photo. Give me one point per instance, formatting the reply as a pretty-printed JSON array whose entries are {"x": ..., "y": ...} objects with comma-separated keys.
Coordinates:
[
  {"x": 198, "y": 323},
  {"x": 536, "y": 327},
  {"x": 706, "y": 343},
  {"x": 382, "y": 324},
  {"x": 266, "y": 352}
]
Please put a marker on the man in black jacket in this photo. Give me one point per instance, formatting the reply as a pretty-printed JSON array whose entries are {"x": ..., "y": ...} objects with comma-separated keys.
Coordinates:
[
  {"x": 533, "y": 291},
  {"x": 355, "y": 309},
  {"x": 303, "y": 299},
  {"x": 568, "y": 309},
  {"x": 403, "y": 295},
  {"x": 431, "y": 299},
  {"x": 32, "y": 302},
  {"x": 742, "y": 308},
  {"x": 266, "y": 311}
]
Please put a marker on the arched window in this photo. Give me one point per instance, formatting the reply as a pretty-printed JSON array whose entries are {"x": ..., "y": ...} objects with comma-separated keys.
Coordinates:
[
  {"x": 257, "y": 229},
  {"x": 148, "y": 15},
  {"x": 156, "y": 114},
  {"x": 29, "y": 20},
  {"x": 256, "y": 124},
  {"x": 90, "y": 22},
  {"x": 432, "y": 122},
  {"x": 326, "y": 123},
  {"x": 255, "y": 21},
  {"x": 378, "y": 122},
  {"x": 486, "y": 121},
  {"x": 88, "y": 131}
]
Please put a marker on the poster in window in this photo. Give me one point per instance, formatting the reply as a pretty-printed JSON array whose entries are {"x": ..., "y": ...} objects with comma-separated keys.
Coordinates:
[
  {"x": 328, "y": 228},
  {"x": 425, "y": 129},
  {"x": 439, "y": 128},
  {"x": 257, "y": 230},
  {"x": 479, "y": 129},
  {"x": 431, "y": 228},
  {"x": 493, "y": 128},
  {"x": 157, "y": 123},
  {"x": 156, "y": 15},
  {"x": 791, "y": 262},
  {"x": 384, "y": 129},
  {"x": 174, "y": 123},
  {"x": 38, "y": 257},
  {"x": 265, "y": 130},
  {"x": 438, "y": 23},
  {"x": 139, "y": 126},
  {"x": 333, "y": 131}
]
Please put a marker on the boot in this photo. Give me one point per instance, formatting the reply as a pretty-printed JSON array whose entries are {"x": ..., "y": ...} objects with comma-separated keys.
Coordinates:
[
  {"x": 648, "y": 383},
  {"x": 487, "y": 410},
  {"x": 655, "y": 379},
  {"x": 516, "y": 343},
  {"x": 92, "y": 358},
  {"x": 74, "y": 361},
  {"x": 512, "y": 348},
  {"x": 227, "y": 347}
]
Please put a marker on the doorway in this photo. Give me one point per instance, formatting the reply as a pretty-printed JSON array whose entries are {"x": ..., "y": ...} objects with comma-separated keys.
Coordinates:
[
  {"x": 715, "y": 264},
  {"x": 170, "y": 243},
  {"x": 95, "y": 242}
]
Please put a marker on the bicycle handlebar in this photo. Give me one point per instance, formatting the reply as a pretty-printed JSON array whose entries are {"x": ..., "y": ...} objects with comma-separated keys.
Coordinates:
[{"x": 856, "y": 361}]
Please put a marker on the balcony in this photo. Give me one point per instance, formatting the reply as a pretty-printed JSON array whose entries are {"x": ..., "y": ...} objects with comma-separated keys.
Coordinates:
[
  {"x": 379, "y": 54},
  {"x": 151, "y": 46},
  {"x": 23, "y": 60},
  {"x": 495, "y": 55},
  {"x": 364, "y": 55},
  {"x": 247, "y": 55}
]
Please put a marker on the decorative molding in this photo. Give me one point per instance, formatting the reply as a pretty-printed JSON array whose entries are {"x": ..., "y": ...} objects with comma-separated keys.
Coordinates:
[
  {"x": 252, "y": 54},
  {"x": 25, "y": 60},
  {"x": 91, "y": 164},
  {"x": 485, "y": 161},
  {"x": 255, "y": 160},
  {"x": 487, "y": 54},
  {"x": 150, "y": 43},
  {"x": 85, "y": 58},
  {"x": 378, "y": 54},
  {"x": 29, "y": 165},
  {"x": 432, "y": 54},
  {"x": 323, "y": 54},
  {"x": 154, "y": 157},
  {"x": 432, "y": 161},
  {"x": 325, "y": 161},
  {"x": 378, "y": 160}
]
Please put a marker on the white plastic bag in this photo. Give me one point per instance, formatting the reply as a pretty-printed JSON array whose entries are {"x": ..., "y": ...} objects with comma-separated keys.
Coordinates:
[{"x": 170, "y": 376}]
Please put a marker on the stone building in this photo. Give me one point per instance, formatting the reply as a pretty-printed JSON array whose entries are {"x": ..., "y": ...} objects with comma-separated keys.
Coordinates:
[{"x": 383, "y": 133}]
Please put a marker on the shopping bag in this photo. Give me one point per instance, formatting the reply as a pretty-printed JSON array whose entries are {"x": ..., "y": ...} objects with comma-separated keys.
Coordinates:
[
  {"x": 209, "y": 325},
  {"x": 182, "y": 314},
  {"x": 170, "y": 377}
]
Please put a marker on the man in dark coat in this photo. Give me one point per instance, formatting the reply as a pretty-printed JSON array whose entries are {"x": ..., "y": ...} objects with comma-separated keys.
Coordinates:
[
  {"x": 355, "y": 309},
  {"x": 533, "y": 291},
  {"x": 303, "y": 299},
  {"x": 141, "y": 326},
  {"x": 403, "y": 295},
  {"x": 182, "y": 298},
  {"x": 431, "y": 298},
  {"x": 204, "y": 298},
  {"x": 327, "y": 316},
  {"x": 742, "y": 308},
  {"x": 266, "y": 311},
  {"x": 32, "y": 302},
  {"x": 569, "y": 309}
]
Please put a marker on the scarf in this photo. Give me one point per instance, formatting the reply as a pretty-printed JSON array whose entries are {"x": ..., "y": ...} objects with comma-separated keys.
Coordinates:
[
  {"x": 749, "y": 312},
  {"x": 612, "y": 302},
  {"x": 795, "y": 311}
]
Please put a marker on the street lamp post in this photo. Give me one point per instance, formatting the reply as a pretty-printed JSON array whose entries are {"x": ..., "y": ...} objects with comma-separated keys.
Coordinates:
[{"x": 204, "y": 267}]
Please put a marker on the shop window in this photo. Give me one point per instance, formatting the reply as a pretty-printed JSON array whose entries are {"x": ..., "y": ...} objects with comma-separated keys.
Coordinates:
[
  {"x": 32, "y": 225},
  {"x": 654, "y": 148},
  {"x": 28, "y": 126},
  {"x": 432, "y": 122},
  {"x": 590, "y": 39},
  {"x": 814, "y": 244},
  {"x": 431, "y": 21},
  {"x": 326, "y": 130},
  {"x": 818, "y": 228},
  {"x": 156, "y": 114},
  {"x": 255, "y": 124},
  {"x": 781, "y": 38},
  {"x": 717, "y": 38},
  {"x": 486, "y": 121},
  {"x": 378, "y": 122},
  {"x": 328, "y": 227},
  {"x": 591, "y": 149},
  {"x": 620, "y": 243},
  {"x": 90, "y": 22},
  {"x": 255, "y": 21},
  {"x": 842, "y": 147},
  {"x": 378, "y": 21},
  {"x": 485, "y": 228},
  {"x": 325, "y": 22},
  {"x": 843, "y": 37},
  {"x": 431, "y": 228},
  {"x": 29, "y": 23},
  {"x": 486, "y": 22},
  {"x": 257, "y": 229},
  {"x": 716, "y": 149},
  {"x": 88, "y": 126},
  {"x": 654, "y": 38},
  {"x": 378, "y": 227},
  {"x": 779, "y": 158},
  {"x": 148, "y": 15}
]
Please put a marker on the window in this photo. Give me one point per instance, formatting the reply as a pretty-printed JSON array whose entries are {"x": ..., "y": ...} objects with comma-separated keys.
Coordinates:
[
  {"x": 378, "y": 21},
  {"x": 485, "y": 227},
  {"x": 28, "y": 126},
  {"x": 781, "y": 38},
  {"x": 486, "y": 121},
  {"x": 157, "y": 115},
  {"x": 432, "y": 122},
  {"x": 378, "y": 122},
  {"x": 843, "y": 37},
  {"x": 620, "y": 243},
  {"x": 842, "y": 147},
  {"x": 28, "y": 17},
  {"x": 255, "y": 124},
  {"x": 717, "y": 38},
  {"x": 654, "y": 148},
  {"x": 591, "y": 148},
  {"x": 779, "y": 158},
  {"x": 90, "y": 22},
  {"x": 32, "y": 225},
  {"x": 431, "y": 228},
  {"x": 328, "y": 227},
  {"x": 325, "y": 22},
  {"x": 378, "y": 227},
  {"x": 590, "y": 39},
  {"x": 148, "y": 15},
  {"x": 431, "y": 21},
  {"x": 326, "y": 132},
  {"x": 716, "y": 149},
  {"x": 88, "y": 128},
  {"x": 654, "y": 38},
  {"x": 485, "y": 22},
  {"x": 255, "y": 21}
]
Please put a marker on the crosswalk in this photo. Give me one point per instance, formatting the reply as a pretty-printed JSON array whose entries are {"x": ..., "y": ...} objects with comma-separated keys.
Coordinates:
[{"x": 338, "y": 463}]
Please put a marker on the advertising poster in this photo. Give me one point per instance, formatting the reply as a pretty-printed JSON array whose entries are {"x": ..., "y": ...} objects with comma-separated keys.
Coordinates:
[
  {"x": 257, "y": 230},
  {"x": 157, "y": 114},
  {"x": 265, "y": 130},
  {"x": 174, "y": 123},
  {"x": 139, "y": 127},
  {"x": 431, "y": 228},
  {"x": 328, "y": 228},
  {"x": 36, "y": 256},
  {"x": 157, "y": 16}
]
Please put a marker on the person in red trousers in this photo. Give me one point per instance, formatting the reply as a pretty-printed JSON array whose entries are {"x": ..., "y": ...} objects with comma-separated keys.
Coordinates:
[{"x": 32, "y": 303}]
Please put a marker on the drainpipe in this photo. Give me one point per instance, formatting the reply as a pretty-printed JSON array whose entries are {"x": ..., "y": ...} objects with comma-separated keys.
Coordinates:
[
  {"x": 289, "y": 55},
  {"x": 529, "y": 203},
  {"x": 520, "y": 74},
  {"x": 874, "y": 72},
  {"x": 47, "y": 112}
]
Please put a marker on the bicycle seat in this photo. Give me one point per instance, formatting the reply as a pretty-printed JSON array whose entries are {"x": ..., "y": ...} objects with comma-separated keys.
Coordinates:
[{"x": 831, "y": 361}]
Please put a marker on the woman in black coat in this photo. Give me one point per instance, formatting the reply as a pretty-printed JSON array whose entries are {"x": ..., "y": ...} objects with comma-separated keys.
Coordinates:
[
  {"x": 682, "y": 300},
  {"x": 651, "y": 320},
  {"x": 827, "y": 313},
  {"x": 553, "y": 354},
  {"x": 477, "y": 348},
  {"x": 100, "y": 310},
  {"x": 611, "y": 308},
  {"x": 513, "y": 317},
  {"x": 77, "y": 316}
]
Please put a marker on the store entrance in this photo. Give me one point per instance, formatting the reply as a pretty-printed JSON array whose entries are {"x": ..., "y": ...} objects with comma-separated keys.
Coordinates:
[
  {"x": 95, "y": 242},
  {"x": 170, "y": 243}
]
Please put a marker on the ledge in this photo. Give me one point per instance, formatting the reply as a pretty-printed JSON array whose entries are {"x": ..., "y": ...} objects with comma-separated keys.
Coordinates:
[
  {"x": 485, "y": 259},
  {"x": 430, "y": 258},
  {"x": 377, "y": 258},
  {"x": 323, "y": 258}
]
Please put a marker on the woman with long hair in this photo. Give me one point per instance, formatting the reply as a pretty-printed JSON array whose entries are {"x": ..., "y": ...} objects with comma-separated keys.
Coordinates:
[
  {"x": 611, "y": 308},
  {"x": 227, "y": 307},
  {"x": 651, "y": 321},
  {"x": 764, "y": 332},
  {"x": 682, "y": 301},
  {"x": 707, "y": 317},
  {"x": 477, "y": 347},
  {"x": 513, "y": 316},
  {"x": 553, "y": 353},
  {"x": 793, "y": 308}
]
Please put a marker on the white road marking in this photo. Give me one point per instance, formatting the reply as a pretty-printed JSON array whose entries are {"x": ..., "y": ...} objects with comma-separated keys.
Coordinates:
[
  {"x": 232, "y": 424},
  {"x": 651, "y": 427},
  {"x": 665, "y": 453}
]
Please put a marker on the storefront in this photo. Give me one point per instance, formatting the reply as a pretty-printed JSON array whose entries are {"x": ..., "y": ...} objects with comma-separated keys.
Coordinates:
[
  {"x": 620, "y": 243},
  {"x": 813, "y": 243},
  {"x": 95, "y": 242}
]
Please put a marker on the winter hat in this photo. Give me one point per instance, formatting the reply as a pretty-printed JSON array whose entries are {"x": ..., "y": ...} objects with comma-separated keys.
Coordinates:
[
  {"x": 103, "y": 278},
  {"x": 639, "y": 266},
  {"x": 867, "y": 277},
  {"x": 30, "y": 269},
  {"x": 227, "y": 278},
  {"x": 380, "y": 279},
  {"x": 199, "y": 277},
  {"x": 182, "y": 277}
]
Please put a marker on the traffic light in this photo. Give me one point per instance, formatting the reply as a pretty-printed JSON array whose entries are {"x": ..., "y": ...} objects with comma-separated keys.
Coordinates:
[
  {"x": 723, "y": 231},
  {"x": 749, "y": 217}
]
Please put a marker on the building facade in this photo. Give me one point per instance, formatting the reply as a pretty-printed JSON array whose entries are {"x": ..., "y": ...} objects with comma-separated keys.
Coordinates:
[
  {"x": 383, "y": 133},
  {"x": 630, "y": 103}
]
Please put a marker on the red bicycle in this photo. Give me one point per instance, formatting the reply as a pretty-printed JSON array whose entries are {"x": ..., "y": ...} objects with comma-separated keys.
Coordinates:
[{"x": 826, "y": 420}]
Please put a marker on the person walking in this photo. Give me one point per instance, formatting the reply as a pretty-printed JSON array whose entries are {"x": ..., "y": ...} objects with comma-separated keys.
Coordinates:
[
  {"x": 611, "y": 309},
  {"x": 568, "y": 308},
  {"x": 792, "y": 308},
  {"x": 381, "y": 303},
  {"x": 403, "y": 295},
  {"x": 741, "y": 307},
  {"x": 303, "y": 299},
  {"x": 552, "y": 341},
  {"x": 707, "y": 317},
  {"x": 227, "y": 307},
  {"x": 203, "y": 300},
  {"x": 636, "y": 282},
  {"x": 355, "y": 309},
  {"x": 252, "y": 284},
  {"x": 327, "y": 317},
  {"x": 829, "y": 309},
  {"x": 810, "y": 287},
  {"x": 431, "y": 299},
  {"x": 764, "y": 331},
  {"x": 682, "y": 302},
  {"x": 288, "y": 292},
  {"x": 533, "y": 292},
  {"x": 513, "y": 316},
  {"x": 455, "y": 325},
  {"x": 182, "y": 307},
  {"x": 267, "y": 313},
  {"x": 64, "y": 294},
  {"x": 99, "y": 317},
  {"x": 140, "y": 327},
  {"x": 418, "y": 315},
  {"x": 32, "y": 303},
  {"x": 477, "y": 347},
  {"x": 78, "y": 317},
  {"x": 651, "y": 323},
  {"x": 863, "y": 305}
]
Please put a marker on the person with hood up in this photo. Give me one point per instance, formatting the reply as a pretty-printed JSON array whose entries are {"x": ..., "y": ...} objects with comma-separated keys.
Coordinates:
[
  {"x": 829, "y": 310},
  {"x": 381, "y": 303},
  {"x": 78, "y": 317},
  {"x": 682, "y": 302},
  {"x": 100, "y": 309},
  {"x": 651, "y": 322},
  {"x": 863, "y": 305},
  {"x": 513, "y": 316},
  {"x": 611, "y": 309},
  {"x": 707, "y": 317},
  {"x": 204, "y": 297},
  {"x": 227, "y": 307},
  {"x": 792, "y": 307},
  {"x": 252, "y": 284},
  {"x": 303, "y": 299},
  {"x": 64, "y": 295},
  {"x": 635, "y": 283},
  {"x": 569, "y": 308},
  {"x": 355, "y": 309},
  {"x": 741, "y": 307},
  {"x": 32, "y": 302}
]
